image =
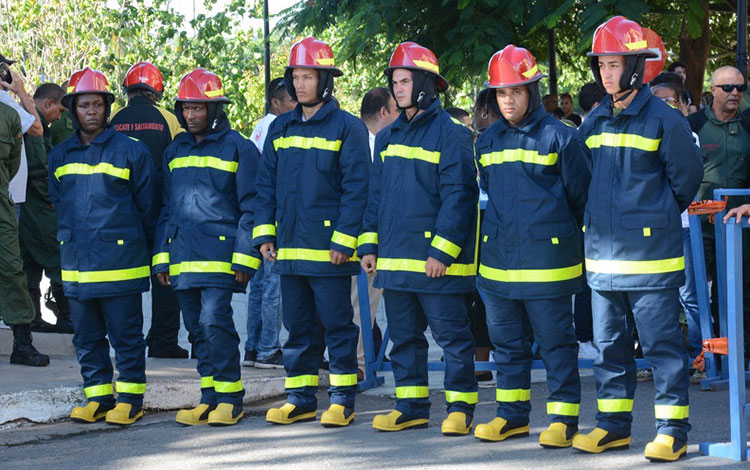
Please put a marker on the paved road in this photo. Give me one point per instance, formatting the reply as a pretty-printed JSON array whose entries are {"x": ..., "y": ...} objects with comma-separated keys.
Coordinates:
[{"x": 158, "y": 442}]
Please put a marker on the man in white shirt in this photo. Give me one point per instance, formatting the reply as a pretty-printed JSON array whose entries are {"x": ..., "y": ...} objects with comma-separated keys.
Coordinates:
[{"x": 279, "y": 103}]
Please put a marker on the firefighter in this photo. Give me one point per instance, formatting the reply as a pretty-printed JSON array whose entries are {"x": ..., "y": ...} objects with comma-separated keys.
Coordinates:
[
  {"x": 104, "y": 187},
  {"x": 203, "y": 240},
  {"x": 534, "y": 170},
  {"x": 646, "y": 171},
  {"x": 312, "y": 191},
  {"x": 156, "y": 127},
  {"x": 420, "y": 236}
]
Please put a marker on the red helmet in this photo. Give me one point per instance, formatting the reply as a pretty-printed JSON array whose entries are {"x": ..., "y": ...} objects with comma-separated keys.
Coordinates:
[
  {"x": 87, "y": 81},
  {"x": 654, "y": 65},
  {"x": 620, "y": 36},
  {"x": 311, "y": 53},
  {"x": 144, "y": 75},
  {"x": 512, "y": 66},
  {"x": 412, "y": 56},
  {"x": 201, "y": 85}
]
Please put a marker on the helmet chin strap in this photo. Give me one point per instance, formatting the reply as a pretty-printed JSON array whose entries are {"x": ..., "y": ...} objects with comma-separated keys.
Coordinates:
[{"x": 630, "y": 90}]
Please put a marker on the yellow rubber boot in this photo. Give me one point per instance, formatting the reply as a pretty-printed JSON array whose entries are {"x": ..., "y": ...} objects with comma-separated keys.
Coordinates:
[
  {"x": 499, "y": 430},
  {"x": 665, "y": 448},
  {"x": 289, "y": 414},
  {"x": 397, "y": 421},
  {"x": 599, "y": 440},
  {"x": 558, "y": 435},
  {"x": 456, "y": 424},
  {"x": 194, "y": 416},
  {"x": 225, "y": 414},
  {"x": 91, "y": 413},
  {"x": 124, "y": 414},
  {"x": 337, "y": 416}
]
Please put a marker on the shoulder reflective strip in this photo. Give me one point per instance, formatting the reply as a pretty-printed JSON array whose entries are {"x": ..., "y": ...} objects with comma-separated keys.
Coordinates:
[
  {"x": 418, "y": 266},
  {"x": 129, "y": 387},
  {"x": 297, "y": 141},
  {"x": 194, "y": 161},
  {"x": 671, "y": 412},
  {"x": 615, "y": 405},
  {"x": 85, "y": 169},
  {"x": 509, "y": 395},
  {"x": 635, "y": 267},
  {"x": 98, "y": 390},
  {"x": 517, "y": 155},
  {"x": 412, "y": 392},
  {"x": 264, "y": 230},
  {"x": 325, "y": 61},
  {"x": 608, "y": 139},
  {"x": 646, "y": 231},
  {"x": 411, "y": 153},
  {"x": 562, "y": 409},
  {"x": 342, "y": 380},
  {"x": 227, "y": 387},
  {"x": 301, "y": 381},
  {"x": 200, "y": 267},
  {"x": 106, "y": 276},
  {"x": 529, "y": 72},
  {"x": 368, "y": 237},
  {"x": 446, "y": 246},
  {"x": 531, "y": 275},
  {"x": 427, "y": 65},
  {"x": 344, "y": 240},
  {"x": 246, "y": 260},
  {"x": 636, "y": 45},
  {"x": 207, "y": 382},
  {"x": 555, "y": 241},
  {"x": 471, "y": 398},
  {"x": 160, "y": 258},
  {"x": 213, "y": 93}
]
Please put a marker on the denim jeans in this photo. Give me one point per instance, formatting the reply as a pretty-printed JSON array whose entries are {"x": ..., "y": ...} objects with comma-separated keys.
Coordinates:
[
  {"x": 689, "y": 299},
  {"x": 263, "y": 312}
]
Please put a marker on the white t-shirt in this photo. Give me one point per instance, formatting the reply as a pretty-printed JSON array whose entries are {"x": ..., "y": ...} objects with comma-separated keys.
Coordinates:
[
  {"x": 372, "y": 145},
  {"x": 17, "y": 186},
  {"x": 261, "y": 130}
]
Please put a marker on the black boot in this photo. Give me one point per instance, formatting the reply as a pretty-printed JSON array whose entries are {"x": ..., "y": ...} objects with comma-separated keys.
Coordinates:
[
  {"x": 23, "y": 351},
  {"x": 39, "y": 325},
  {"x": 64, "y": 323}
]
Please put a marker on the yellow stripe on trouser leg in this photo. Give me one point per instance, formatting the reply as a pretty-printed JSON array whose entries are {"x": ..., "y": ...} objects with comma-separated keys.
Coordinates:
[
  {"x": 562, "y": 408},
  {"x": 509, "y": 395},
  {"x": 471, "y": 398},
  {"x": 130, "y": 387},
  {"x": 671, "y": 412},
  {"x": 98, "y": 390},
  {"x": 301, "y": 381},
  {"x": 412, "y": 392},
  {"x": 342, "y": 380},
  {"x": 227, "y": 387},
  {"x": 207, "y": 382},
  {"x": 615, "y": 405}
]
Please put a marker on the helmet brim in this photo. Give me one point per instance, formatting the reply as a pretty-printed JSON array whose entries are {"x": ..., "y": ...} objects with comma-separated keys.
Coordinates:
[
  {"x": 442, "y": 83},
  {"x": 223, "y": 99},
  {"x": 533, "y": 79},
  {"x": 335, "y": 71},
  {"x": 648, "y": 53},
  {"x": 65, "y": 100}
]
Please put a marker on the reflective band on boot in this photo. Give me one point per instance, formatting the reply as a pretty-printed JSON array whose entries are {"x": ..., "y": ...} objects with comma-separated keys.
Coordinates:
[
  {"x": 671, "y": 412},
  {"x": 301, "y": 381},
  {"x": 132, "y": 388},
  {"x": 615, "y": 405},
  {"x": 518, "y": 394},
  {"x": 562, "y": 409},
  {"x": 342, "y": 380},
  {"x": 227, "y": 387},
  {"x": 470, "y": 398},
  {"x": 412, "y": 392}
]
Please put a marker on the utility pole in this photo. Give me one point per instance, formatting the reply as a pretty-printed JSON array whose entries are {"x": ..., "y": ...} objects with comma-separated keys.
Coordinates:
[
  {"x": 266, "y": 54},
  {"x": 552, "y": 61},
  {"x": 742, "y": 37}
]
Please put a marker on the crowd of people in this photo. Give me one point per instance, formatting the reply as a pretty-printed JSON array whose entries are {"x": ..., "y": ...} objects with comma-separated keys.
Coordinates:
[{"x": 581, "y": 245}]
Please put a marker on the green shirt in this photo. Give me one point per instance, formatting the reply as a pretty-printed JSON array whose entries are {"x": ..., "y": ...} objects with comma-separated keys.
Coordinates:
[
  {"x": 61, "y": 129},
  {"x": 37, "y": 149},
  {"x": 10, "y": 146}
]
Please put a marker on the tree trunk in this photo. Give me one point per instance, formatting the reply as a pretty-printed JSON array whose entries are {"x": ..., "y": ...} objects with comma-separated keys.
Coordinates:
[{"x": 694, "y": 54}]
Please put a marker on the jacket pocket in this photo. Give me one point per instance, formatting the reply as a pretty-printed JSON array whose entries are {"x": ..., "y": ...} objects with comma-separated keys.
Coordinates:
[
  {"x": 552, "y": 230},
  {"x": 118, "y": 234},
  {"x": 489, "y": 232},
  {"x": 425, "y": 225},
  {"x": 640, "y": 220},
  {"x": 219, "y": 230},
  {"x": 327, "y": 162}
]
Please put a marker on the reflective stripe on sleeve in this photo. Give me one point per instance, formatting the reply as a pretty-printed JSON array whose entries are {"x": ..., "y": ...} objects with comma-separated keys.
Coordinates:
[
  {"x": 344, "y": 240},
  {"x": 368, "y": 237},
  {"x": 446, "y": 246},
  {"x": 246, "y": 260},
  {"x": 160, "y": 258},
  {"x": 264, "y": 230}
]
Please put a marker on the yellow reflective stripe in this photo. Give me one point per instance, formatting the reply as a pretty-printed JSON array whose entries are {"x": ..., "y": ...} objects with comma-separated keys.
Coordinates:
[
  {"x": 301, "y": 381},
  {"x": 615, "y": 405},
  {"x": 227, "y": 387},
  {"x": 263, "y": 230},
  {"x": 509, "y": 395},
  {"x": 342, "y": 380},
  {"x": 555, "y": 241},
  {"x": 246, "y": 260},
  {"x": 324, "y": 61},
  {"x": 656, "y": 266},
  {"x": 111, "y": 275},
  {"x": 446, "y": 246},
  {"x": 412, "y": 392},
  {"x": 412, "y": 153},
  {"x": 304, "y": 254},
  {"x": 471, "y": 398},
  {"x": 98, "y": 390},
  {"x": 427, "y": 65},
  {"x": 531, "y": 275},
  {"x": 671, "y": 412},
  {"x": 344, "y": 240},
  {"x": 195, "y": 161},
  {"x": 213, "y": 93},
  {"x": 207, "y": 382},
  {"x": 608, "y": 139},
  {"x": 130, "y": 387},
  {"x": 297, "y": 141},
  {"x": 368, "y": 237},
  {"x": 562, "y": 408},
  {"x": 200, "y": 267},
  {"x": 160, "y": 258},
  {"x": 529, "y": 72},
  {"x": 646, "y": 231},
  {"x": 86, "y": 169},
  {"x": 517, "y": 155},
  {"x": 636, "y": 45},
  {"x": 418, "y": 266}
]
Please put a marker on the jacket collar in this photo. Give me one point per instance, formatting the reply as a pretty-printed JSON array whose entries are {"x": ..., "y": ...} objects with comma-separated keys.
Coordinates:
[
  {"x": 140, "y": 100},
  {"x": 432, "y": 110},
  {"x": 188, "y": 138},
  {"x": 101, "y": 139},
  {"x": 712, "y": 117},
  {"x": 327, "y": 108},
  {"x": 635, "y": 107},
  {"x": 526, "y": 125}
]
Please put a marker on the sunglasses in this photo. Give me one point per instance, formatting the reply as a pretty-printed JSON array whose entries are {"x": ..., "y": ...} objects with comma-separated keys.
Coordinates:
[{"x": 727, "y": 88}]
